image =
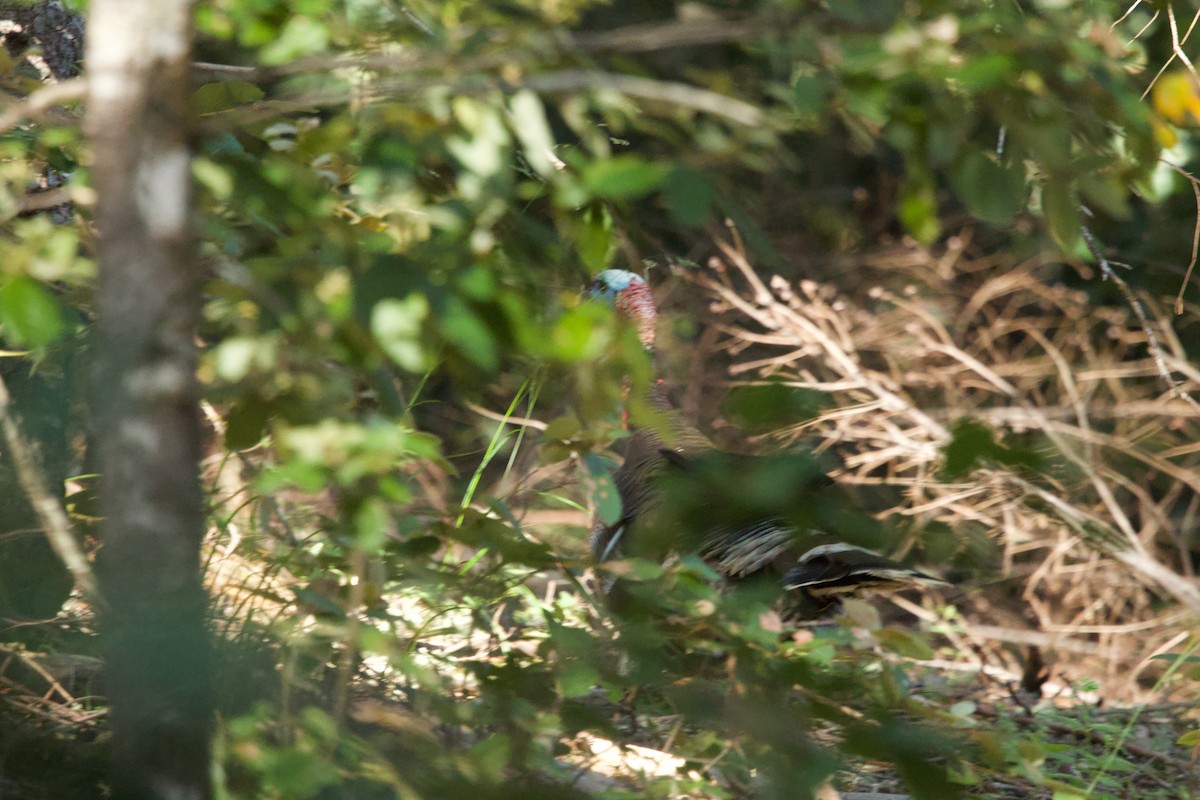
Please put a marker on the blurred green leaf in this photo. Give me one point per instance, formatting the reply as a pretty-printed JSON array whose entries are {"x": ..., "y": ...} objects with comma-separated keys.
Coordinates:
[
  {"x": 603, "y": 490},
  {"x": 759, "y": 409},
  {"x": 623, "y": 177},
  {"x": 689, "y": 196},
  {"x": 993, "y": 192},
  {"x": 397, "y": 324},
  {"x": 810, "y": 93},
  {"x": 904, "y": 643},
  {"x": 246, "y": 423},
  {"x": 464, "y": 328},
  {"x": 1061, "y": 207},
  {"x": 594, "y": 239},
  {"x": 300, "y": 36},
  {"x": 223, "y": 95},
  {"x": 531, "y": 128},
  {"x": 973, "y": 444},
  {"x": 29, "y": 314},
  {"x": 918, "y": 210}
]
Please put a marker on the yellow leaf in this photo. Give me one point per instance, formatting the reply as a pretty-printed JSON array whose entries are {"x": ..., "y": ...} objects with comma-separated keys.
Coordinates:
[{"x": 1176, "y": 96}]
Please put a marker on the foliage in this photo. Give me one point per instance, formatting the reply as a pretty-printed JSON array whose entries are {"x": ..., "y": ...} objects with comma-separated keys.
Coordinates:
[{"x": 398, "y": 204}]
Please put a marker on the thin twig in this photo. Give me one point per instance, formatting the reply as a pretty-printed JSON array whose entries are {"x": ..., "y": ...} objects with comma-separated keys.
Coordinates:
[
  {"x": 42, "y": 101},
  {"x": 49, "y": 511},
  {"x": 1152, "y": 343}
]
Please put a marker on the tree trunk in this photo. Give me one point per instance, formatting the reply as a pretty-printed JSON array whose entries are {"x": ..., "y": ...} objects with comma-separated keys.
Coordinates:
[{"x": 159, "y": 663}]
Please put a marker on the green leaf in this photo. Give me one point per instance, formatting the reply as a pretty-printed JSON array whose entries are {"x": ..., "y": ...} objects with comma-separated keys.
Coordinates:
[
  {"x": 1061, "y": 208},
  {"x": 986, "y": 71},
  {"x": 623, "y": 177},
  {"x": 603, "y": 490},
  {"x": 562, "y": 428},
  {"x": 300, "y": 36},
  {"x": 904, "y": 643},
  {"x": 1189, "y": 739},
  {"x": 689, "y": 196},
  {"x": 531, "y": 128},
  {"x": 576, "y": 678},
  {"x": 594, "y": 238},
  {"x": 810, "y": 94},
  {"x": 222, "y": 95},
  {"x": 580, "y": 333},
  {"x": 918, "y": 210},
  {"x": 1105, "y": 192},
  {"x": 489, "y": 756},
  {"x": 993, "y": 192},
  {"x": 761, "y": 409},
  {"x": 29, "y": 314},
  {"x": 246, "y": 423},
  {"x": 463, "y": 327},
  {"x": 970, "y": 442},
  {"x": 371, "y": 525},
  {"x": 396, "y": 325}
]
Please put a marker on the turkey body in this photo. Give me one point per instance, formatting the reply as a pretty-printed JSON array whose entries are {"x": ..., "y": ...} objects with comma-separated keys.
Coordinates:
[{"x": 746, "y": 516}]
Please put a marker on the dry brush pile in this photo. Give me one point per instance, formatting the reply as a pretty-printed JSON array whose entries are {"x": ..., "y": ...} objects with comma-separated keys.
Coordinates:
[{"x": 1093, "y": 545}]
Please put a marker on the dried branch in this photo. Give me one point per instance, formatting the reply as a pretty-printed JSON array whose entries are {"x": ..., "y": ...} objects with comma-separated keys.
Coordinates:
[
  {"x": 41, "y": 101},
  {"x": 979, "y": 336},
  {"x": 1152, "y": 343}
]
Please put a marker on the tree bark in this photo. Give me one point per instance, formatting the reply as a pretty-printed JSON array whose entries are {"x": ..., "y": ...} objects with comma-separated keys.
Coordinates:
[{"x": 158, "y": 653}]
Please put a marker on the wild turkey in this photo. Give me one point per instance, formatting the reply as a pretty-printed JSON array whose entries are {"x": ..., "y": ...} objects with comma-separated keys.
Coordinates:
[{"x": 662, "y": 465}]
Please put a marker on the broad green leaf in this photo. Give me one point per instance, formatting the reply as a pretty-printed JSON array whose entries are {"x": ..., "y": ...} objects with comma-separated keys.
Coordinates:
[
  {"x": 623, "y": 177},
  {"x": 1105, "y": 192},
  {"x": 489, "y": 756},
  {"x": 603, "y": 490},
  {"x": 689, "y": 196},
  {"x": 29, "y": 314},
  {"x": 576, "y": 678},
  {"x": 594, "y": 237},
  {"x": 810, "y": 93},
  {"x": 904, "y": 643},
  {"x": 396, "y": 325},
  {"x": 371, "y": 524},
  {"x": 529, "y": 123},
  {"x": 973, "y": 442},
  {"x": 246, "y": 423},
  {"x": 986, "y": 71},
  {"x": 562, "y": 428},
  {"x": 222, "y": 95},
  {"x": 463, "y": 327},
  {"x": 300, "y": 36},
  {"x": 1061, "y": 208},
  {"x": 993, "y": 192},
  {"x": 580, "y": 333},
  {"x": 769, "y": 407},
  {"x": 918, "y": 210}
]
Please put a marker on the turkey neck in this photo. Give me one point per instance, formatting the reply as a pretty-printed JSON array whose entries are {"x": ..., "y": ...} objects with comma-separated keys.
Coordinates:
[
  {"x": 644, "y": 460},
  {"x": 671, "y": 431}
]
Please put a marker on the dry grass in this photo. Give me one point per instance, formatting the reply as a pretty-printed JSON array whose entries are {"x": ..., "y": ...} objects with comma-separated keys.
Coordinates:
[{"x": 1097, "y": 546}]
